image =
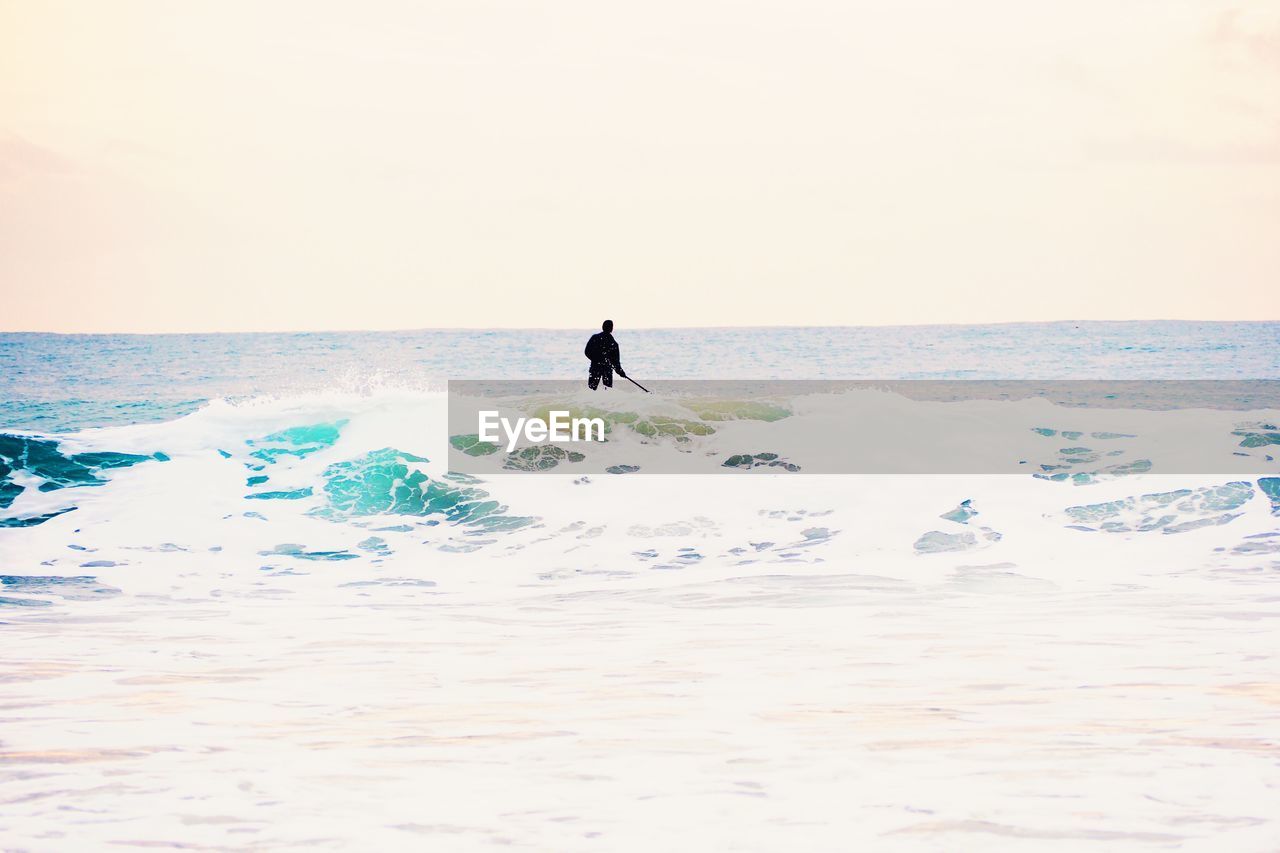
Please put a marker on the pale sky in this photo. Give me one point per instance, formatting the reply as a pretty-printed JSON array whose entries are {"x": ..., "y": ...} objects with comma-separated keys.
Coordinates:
[{"x": 229, "y": 166}]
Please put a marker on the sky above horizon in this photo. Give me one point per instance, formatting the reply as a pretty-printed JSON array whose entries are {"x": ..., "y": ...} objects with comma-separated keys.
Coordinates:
[{"x": 241, "y": 166}]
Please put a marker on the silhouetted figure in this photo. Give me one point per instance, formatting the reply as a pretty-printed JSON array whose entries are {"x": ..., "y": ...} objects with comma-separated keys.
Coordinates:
[{"x": 602, "y": 349}]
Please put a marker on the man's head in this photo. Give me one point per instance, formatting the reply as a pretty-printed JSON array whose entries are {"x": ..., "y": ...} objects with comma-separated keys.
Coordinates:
[{"x": 607, "y": 325}]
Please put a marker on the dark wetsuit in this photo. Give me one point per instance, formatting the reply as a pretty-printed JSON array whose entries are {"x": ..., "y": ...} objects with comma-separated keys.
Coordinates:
[{"x": 602, "y": 349}]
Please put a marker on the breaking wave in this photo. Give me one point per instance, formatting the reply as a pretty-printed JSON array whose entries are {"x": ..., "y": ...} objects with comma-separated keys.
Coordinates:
[{"x": 365, "y": 480}]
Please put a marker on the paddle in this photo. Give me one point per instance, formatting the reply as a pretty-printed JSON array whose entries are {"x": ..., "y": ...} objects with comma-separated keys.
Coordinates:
[{"x": 637, "y": 384}]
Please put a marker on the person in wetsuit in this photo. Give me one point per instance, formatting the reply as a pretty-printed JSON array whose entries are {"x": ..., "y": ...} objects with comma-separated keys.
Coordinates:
[{"x": 602, "y": 349}]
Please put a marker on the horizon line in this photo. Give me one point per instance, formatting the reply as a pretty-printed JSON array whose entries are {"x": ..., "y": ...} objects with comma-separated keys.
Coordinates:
[{"x": 329, "y": 331}]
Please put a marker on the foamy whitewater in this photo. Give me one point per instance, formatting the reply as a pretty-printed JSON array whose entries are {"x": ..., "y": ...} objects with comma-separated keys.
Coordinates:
[{"x": 246, "y": 605}]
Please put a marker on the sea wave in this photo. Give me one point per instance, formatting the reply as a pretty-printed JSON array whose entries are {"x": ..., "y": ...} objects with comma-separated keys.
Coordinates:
[
  {"x": 278, "y": 621},
  {"x": 366, "y": 478}
]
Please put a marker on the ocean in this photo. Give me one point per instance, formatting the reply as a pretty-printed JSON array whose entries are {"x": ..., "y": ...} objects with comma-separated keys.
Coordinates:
[{"x": 246, "y": 604}]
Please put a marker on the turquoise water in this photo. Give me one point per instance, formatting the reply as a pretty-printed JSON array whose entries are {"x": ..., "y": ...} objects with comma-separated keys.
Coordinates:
[
  {"x": 59, "y": 383},
  {"x": 245, "y": 604},
  {"x": 69, "y": 403}
]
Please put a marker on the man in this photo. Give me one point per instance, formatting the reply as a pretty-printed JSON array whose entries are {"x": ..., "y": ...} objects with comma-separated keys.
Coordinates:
[{"x": 602, "y": 349}]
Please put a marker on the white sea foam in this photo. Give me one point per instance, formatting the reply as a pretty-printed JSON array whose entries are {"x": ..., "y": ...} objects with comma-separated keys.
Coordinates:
[{"x": 625, "y": 661}]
